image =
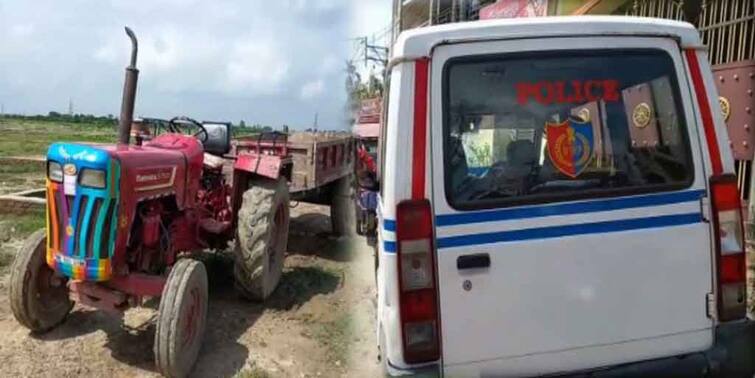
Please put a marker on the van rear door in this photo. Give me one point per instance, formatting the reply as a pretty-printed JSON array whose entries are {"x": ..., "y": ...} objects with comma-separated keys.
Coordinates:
[{"x": 568, "y": 186}]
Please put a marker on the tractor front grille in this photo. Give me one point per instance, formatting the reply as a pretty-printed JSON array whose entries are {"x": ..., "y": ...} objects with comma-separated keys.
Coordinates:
[{"x": 80, "y": 232}]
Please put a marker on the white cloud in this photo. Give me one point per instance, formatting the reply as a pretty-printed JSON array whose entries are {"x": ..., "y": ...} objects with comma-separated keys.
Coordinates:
[
  {"x": 371, "y": 17},
  {"x": 21, "y": 30},
  {"x": 223, "y": 59},
  {"x": 316, "y": 5},
  {"x": 256, "y": 65},
  {"x": 312, "y": 89},
  {"x": 330, "y": 64}
]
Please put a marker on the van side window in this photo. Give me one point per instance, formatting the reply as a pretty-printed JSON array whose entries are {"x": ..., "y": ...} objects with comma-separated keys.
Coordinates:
[{"x": 544, "y": 127}]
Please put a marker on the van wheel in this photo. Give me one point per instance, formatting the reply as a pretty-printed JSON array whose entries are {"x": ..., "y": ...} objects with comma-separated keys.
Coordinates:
[
  {"x": 182, "y": 318},
  {"x": 38, "y": 296},
  {"x": 261, "y": 238}
]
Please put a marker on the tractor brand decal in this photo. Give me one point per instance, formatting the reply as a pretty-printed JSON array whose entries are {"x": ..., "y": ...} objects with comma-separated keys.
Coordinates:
[
  {"x": 567, "y": 92},
  {"x": 571, "y": 145},
  {"x": 155, "y": 178}
]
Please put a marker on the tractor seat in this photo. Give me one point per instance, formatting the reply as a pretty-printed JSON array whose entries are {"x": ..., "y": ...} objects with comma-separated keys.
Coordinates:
[{"x": 213, "y": 161}]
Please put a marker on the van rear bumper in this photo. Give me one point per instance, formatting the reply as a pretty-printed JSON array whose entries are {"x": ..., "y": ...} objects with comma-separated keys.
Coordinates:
[{"x": 732, "y": 355}]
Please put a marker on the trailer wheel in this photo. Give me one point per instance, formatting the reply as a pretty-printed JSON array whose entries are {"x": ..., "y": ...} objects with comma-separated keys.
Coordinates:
[
  {"x": 261, "y": 238},
  {"x": 182, "y": 318},
  {"x": 342, "y": 209},
  {"x": 38, "y": 297}
]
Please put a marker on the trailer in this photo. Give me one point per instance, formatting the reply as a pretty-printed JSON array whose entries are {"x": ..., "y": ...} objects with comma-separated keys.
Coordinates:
[{"x": 320, "y": 171}]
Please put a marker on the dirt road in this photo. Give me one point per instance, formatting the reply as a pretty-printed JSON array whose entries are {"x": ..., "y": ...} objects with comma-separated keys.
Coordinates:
[{"x": 317, "y": 323}]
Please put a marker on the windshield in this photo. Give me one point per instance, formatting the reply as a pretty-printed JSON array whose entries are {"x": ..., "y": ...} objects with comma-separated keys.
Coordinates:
[{"x": 555, "y": 126}]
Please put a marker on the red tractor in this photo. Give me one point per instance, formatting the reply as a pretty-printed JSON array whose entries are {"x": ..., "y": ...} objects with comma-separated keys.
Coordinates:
[{"x": 125, "y": 221}]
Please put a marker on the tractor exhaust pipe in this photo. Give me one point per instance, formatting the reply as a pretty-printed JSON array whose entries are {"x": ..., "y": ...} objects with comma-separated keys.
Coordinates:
[{"x": 129, "y": 93}]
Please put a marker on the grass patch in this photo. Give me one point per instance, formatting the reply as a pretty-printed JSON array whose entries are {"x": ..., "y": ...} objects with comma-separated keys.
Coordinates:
[
  {"x": 299, "y": 284},
  {"x": 6, "y": 258},
  {"x": 253, "y": 372},
  {"x": 21, "y": 226},
  {"x": 30, "y": 222},
  {"x": 334, "y": 336},
  {"x": 20, "y": 175},
  {"x": 32, "y": 138},
  {"x": 22, "y": 167},
  {"x": 14, "y": 229}
]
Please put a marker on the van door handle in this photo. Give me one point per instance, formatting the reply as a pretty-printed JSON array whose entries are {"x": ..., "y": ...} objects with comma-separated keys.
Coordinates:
[{"x": 478, "y": 260}]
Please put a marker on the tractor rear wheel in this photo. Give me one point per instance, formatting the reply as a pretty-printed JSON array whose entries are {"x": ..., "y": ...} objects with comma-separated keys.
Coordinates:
[
  {"x": 182, "y": 318},
  {"x": 261, "y": 238},
  {"x": 342, "y": 209},
  {"x": 38, "y": 296}
]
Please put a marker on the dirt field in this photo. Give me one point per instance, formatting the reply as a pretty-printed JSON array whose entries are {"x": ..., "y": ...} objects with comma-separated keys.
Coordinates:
[
  {"x": 17, "y": 175},
  {"x": 317, "y": 323}
]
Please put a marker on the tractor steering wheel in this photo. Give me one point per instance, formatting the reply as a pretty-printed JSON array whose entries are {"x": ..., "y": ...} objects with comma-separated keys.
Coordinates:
[{"x": 185, "y": 125}]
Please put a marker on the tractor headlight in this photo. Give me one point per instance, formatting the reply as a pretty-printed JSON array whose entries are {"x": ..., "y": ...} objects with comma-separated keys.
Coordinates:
[
  {"x": 54, "y": 171},
  {"x": 93, "y": 178}
]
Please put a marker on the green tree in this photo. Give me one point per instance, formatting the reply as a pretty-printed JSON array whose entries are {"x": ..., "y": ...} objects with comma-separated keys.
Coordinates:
[{"x": 358, "y": 89}]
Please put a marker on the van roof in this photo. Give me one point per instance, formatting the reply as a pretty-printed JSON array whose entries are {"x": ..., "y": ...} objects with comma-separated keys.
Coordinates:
[{"x": 419, "y": 42}]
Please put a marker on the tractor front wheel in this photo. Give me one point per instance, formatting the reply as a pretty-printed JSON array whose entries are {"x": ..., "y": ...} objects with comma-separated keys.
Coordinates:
[
  {"x": 182, "y": 318},
  {"x": 38, "y": 296},
  {"x": 261, "y": 238}
]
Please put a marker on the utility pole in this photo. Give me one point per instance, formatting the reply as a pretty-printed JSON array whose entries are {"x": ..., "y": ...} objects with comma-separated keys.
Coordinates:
[{"x": 374, "y": 53}]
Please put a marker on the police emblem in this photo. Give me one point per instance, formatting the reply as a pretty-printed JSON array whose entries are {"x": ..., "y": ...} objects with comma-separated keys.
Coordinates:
[
  {"x": 641, "y": 115},
  {"x": 584, "y": 113},
  {"x": 725, "y": 107},
  {"x": 571, "y": 145}
]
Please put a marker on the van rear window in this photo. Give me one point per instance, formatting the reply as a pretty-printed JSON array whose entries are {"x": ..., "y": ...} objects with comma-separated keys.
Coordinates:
[{"x": 545, "y": 127}]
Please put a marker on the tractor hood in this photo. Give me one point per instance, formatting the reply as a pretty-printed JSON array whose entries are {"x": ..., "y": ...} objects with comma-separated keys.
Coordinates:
[{"x": 94, "y": 190}]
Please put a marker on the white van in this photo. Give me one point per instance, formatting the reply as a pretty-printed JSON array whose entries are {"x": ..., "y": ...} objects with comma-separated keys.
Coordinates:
[{"x": 556, "y": 196}]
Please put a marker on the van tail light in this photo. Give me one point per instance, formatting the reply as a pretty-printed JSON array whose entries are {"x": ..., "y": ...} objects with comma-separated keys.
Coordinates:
[
  {"x": 730, "y": 247},
  {"x": 417, "y": 281}
]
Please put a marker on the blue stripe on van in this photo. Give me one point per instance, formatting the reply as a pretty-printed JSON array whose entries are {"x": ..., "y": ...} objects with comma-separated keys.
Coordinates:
[
  {"x": 565, "y": 208},
  {"x": 570, "y": 230},
  {"x": 389, "y": 225}
]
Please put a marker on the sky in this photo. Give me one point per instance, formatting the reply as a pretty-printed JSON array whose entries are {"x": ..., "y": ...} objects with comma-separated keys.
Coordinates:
[{"x": 268, "y": 62}]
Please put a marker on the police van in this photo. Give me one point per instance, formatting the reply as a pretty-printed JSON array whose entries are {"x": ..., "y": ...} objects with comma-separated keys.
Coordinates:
[{"x": 556, "y": 196}]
